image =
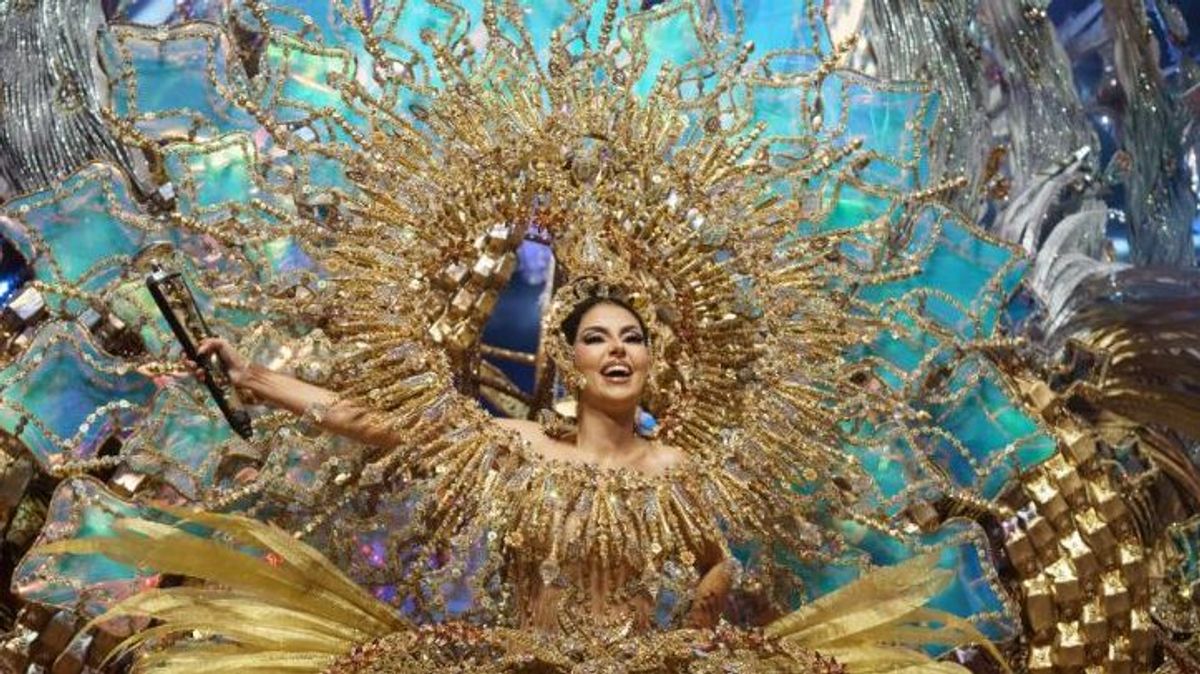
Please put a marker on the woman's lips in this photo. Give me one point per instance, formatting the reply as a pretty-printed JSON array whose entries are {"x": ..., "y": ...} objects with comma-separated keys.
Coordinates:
[
  {"x": 617, "y": 374},
  {"x": 616, "y": 369}
]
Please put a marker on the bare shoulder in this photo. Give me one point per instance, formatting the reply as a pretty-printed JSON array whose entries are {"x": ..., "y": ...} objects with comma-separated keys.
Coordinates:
[
  {"x": 536, "y": 439},
  {"x": 529, "y": 430},
  {"x": 664, "y": 458}
]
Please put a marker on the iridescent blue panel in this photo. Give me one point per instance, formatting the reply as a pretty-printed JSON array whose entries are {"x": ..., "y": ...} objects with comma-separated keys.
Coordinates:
[
  {"x": 438, "y": 20},
  {"x": 319, "y": 174},
  {"x": 319, "y": 20},
  {"x": 180, "y": 442},
  {"x": 175, "y": 83},
  {"x": 890, "y": 174},
  {"x": 211, "y": 175},
  {"x": 64, "y": 397},
  {"x": 776, "y": 26},
  {"x": 669, "y": 34},
  {"x": 983, "y": 439},
  {"x": 891, "y": 120},
  {"x": 594, "y": 20},
  {"x": 780, "y": 108},
  {"x": 84, "y": 234},
  {"x": 82, "y": 508},
  {"x": 304, "y": 77},
  {"x": 897, "y": 473},
  {"x": 286, "y": 257},
  {"x": 851, "y": 207},
  {"x": 905, "y": 352},
  {"x": 963, "y": 277}
]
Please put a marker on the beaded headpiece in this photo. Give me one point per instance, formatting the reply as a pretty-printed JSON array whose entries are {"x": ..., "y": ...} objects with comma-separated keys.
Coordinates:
[{"x": 682, "y": 227}]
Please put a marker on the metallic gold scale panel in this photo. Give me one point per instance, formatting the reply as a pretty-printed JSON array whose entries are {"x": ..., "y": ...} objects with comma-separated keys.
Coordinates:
[{"x": 1082, "y": 566}]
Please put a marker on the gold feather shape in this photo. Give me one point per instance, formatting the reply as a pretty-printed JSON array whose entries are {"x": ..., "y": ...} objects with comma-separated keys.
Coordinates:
[
  {"x": 273, "y": 604},
  {"x": 855, "y": 623}
]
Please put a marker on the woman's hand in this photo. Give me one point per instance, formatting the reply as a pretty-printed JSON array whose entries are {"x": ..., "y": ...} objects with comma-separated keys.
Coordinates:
[{"x": 235, "y": 364}]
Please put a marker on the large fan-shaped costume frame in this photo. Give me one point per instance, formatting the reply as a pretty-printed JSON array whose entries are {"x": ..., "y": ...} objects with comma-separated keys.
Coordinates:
[{"x": 349, "y": 193}]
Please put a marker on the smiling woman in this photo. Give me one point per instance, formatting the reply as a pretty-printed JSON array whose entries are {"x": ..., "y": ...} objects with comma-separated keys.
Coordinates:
[
  {"x": 607, "y": 376},
  {"x": 611, "y": 353}
]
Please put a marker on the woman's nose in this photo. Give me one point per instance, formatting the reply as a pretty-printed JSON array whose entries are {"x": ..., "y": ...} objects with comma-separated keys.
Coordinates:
[{"x": 617, "y": 346}]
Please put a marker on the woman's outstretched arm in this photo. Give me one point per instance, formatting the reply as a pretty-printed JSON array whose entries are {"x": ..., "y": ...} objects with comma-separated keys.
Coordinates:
[{"x": 301, "y": 398}]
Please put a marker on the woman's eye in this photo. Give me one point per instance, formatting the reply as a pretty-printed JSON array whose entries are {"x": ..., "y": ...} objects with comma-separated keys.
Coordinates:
[
  {"x": 634, "y": 339},
  {"x": 592, "y": 339}
]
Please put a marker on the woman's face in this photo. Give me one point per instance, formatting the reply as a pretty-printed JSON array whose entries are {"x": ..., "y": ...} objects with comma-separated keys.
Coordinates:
[{"x": 612, "y": 355}]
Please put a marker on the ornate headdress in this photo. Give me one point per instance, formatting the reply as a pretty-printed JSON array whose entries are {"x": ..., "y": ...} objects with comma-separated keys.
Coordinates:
[{"x": 685, "y": 220}]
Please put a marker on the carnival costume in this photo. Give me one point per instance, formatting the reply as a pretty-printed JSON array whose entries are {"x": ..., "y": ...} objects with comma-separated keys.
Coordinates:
[{"x": 350, "y": 194}]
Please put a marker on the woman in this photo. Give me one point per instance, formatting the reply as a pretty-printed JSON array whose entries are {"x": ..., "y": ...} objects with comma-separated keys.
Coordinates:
[{"x": 611, "y": 356}]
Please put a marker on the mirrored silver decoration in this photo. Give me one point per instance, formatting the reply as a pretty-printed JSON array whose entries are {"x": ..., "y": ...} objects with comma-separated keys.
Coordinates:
[
  {"x": 49, "y": 102},
  {"x": 1014, "y": 124},
  {"x": 1009, "y": 109},
  {"x": 1160, "y": 205},
  {"x": 938, "y": 42}
]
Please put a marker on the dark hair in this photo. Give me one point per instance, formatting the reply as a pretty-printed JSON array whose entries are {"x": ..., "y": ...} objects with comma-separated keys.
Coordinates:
[{"x": 570, "y": 324}]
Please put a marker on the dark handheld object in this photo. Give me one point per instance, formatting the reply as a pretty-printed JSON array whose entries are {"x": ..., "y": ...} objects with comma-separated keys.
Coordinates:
[{"x": 178, "y": 306}]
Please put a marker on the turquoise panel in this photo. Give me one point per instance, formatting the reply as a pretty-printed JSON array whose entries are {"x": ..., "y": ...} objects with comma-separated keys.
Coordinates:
[
  {"x": 668, "y": 32},
  {"x": 594, "y": 21},
  {"x": 83, "y": 233},
  {"x": 82, "y": 508},
  {"x": 983, "y": 439},
  {"x": 180, "y": 443},
  {"x": 891, "y": 120},
  {"x": 774, "y": 26},
  {"x": 852, "y": 208},
  {"x": 780, "y": 108},
  {"x": 897, "y": 474},
  {"x": 435, "y": 18},
  {"x": 889, "y": 174},
  {"x": 64, "y": 397},
  {"x": 317, "y": 20},
  {"x": 904, "y": 350},
  {"x": 212, "y": 175},
  {"x": 317, "y": 173},
  {"x": 175, "y": 83},
  {"x": 304, "y": 77},
  {"x": 962, "y": 279}
]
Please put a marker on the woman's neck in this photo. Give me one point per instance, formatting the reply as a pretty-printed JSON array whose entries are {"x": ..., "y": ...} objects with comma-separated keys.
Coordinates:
[{"x": 608, "y": 438}]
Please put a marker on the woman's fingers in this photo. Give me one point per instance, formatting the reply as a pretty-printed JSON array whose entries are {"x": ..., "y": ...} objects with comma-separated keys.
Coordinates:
[{"x": 209, "y": 344}]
